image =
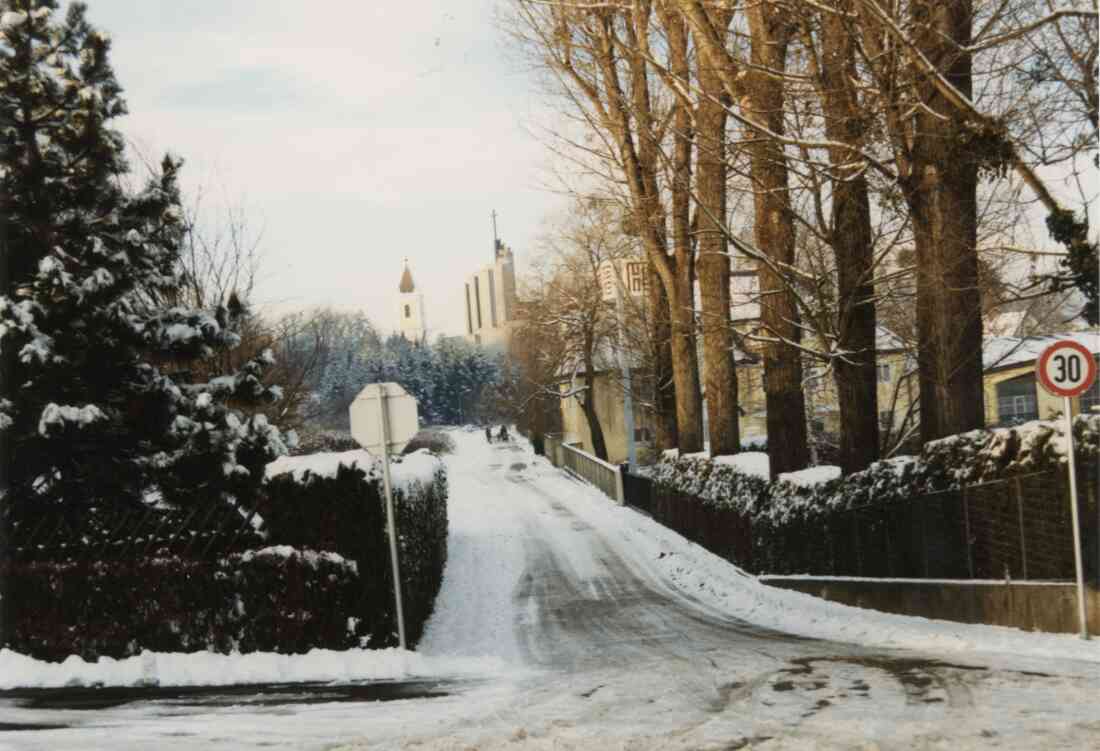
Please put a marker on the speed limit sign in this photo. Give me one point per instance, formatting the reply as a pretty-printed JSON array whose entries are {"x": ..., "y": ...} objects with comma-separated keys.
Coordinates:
[{"x": 1066, "y": 368}]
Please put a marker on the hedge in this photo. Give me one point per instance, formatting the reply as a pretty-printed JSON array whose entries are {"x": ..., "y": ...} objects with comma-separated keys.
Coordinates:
[
  {"x": 323, "y": 579},
  {"x": 342, "y": 508},
  {"x": 272, "y": 599},
  {"x": 968, "y": 458}
]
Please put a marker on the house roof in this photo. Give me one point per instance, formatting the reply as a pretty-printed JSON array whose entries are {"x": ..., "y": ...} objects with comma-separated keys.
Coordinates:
[{"x": 1011, "y": 351}]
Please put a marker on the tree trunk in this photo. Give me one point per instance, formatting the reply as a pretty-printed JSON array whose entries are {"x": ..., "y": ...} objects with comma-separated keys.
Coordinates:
[
  {"x": 595, "y": 429},
  {"x": 941, "y": 192},
  {"x": 664, "y": 387},
  {"x": 851, "y": 240},
  {"x": 774, "y": 234},
  {"x": 719, "y": 375},
  {"x": 685, "y": 356}
]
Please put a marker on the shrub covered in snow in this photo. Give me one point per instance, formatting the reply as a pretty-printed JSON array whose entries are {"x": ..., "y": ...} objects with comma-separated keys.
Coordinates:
[
  {"x": 275, "y": 599},
  {"x": 336, "y": 502},
  {"x": 970, "y": 458}
]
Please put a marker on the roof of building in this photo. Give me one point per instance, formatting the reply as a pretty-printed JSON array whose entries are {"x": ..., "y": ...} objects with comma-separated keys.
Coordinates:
[
  {"x": 1009, "y": 351},
  {"x": 406, "y": 285}
]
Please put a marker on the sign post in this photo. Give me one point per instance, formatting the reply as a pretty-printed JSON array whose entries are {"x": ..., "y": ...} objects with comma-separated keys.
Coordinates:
[
  {"x": 383, "y": 419},
  {"x": 1067, "y": 369}
]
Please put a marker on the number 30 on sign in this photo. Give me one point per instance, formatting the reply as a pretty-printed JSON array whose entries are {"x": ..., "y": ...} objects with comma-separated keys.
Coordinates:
[{"x": 1066, "y": 368}]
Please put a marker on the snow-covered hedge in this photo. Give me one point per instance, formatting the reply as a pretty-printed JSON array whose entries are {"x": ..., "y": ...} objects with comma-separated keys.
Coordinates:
[
  {"x": 335, "y": 502},
  {"x": 969, "y": 458},
  {"x": 275, "y": 599}
]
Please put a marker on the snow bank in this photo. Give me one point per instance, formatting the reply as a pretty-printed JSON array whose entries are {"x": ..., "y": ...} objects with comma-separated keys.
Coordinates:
[
  {"x": 811, "y": 476},
  {"x": 750, "y": 462},
  {"x": 419, "y": 466},
  {"x": 213, "y": 669},
  {"x": 700, "y": 577}
]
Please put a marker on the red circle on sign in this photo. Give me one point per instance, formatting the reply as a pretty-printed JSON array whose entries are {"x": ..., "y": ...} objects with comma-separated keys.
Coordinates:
[{"x": 1090, "y": 365}]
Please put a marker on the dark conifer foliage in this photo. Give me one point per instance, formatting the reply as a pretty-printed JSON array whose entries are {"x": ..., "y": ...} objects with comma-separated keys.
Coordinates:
[{"x": 99, "y": 409}]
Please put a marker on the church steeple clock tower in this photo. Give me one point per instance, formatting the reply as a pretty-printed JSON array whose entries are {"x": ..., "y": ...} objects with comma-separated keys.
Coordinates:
[{"x": 414, "y": 326}]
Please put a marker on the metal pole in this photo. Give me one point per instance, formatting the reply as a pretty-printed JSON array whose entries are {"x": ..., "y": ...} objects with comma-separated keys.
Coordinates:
[
  {"x": 1076, "y": 521},
  {"x": 624, "y": 364},
  {"x": 390, "y": 526}
]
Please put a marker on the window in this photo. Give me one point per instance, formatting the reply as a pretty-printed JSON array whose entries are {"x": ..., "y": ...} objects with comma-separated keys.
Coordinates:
[
  {"x": 884, "y": 372},
  {"x": 1016, "y": 401},
  {"x": 469, "y": 317},
  {"x": 477, "y": 300},
  {"x": 635, "y": 273},
  {"x": 643, "y": 435},
  {"x": 408, "y": 313},
  {"x": 1090, "y": 400},
  {"x": 492, "y": 299},
  {"x": 886, "y": 419}
]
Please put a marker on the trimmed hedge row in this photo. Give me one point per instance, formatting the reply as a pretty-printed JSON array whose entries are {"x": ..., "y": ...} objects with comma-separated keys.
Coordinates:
[
  {"x": 285, "y": 597},
  {"x": 345, "y": 513},
  {"x": 969, "y": 458},
  {"x": 274, "y": 599}
]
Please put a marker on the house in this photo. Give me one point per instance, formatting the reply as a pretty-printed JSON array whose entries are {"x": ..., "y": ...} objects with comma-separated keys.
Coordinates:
[{"x": 1012, "y": 395}]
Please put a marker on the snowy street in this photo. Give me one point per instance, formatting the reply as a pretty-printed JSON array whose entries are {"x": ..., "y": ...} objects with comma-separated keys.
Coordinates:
[{"x": 593, "y": 627}]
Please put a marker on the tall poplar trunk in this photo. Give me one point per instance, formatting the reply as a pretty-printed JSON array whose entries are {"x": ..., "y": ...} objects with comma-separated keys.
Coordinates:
[
  {"x": 595, "y": 429},
  {"x": 774, "y": 234},
  {"x": 941, "y": 192},
  {"x": 719, "y": 375},
  {"x": 664, "y": 387},
  {"x": 685, "y": 355},
  {"x": 855, "y": 373}
]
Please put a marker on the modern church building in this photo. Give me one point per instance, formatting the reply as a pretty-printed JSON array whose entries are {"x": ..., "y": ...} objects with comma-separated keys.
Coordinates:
[{"x": 490, "y": 298}]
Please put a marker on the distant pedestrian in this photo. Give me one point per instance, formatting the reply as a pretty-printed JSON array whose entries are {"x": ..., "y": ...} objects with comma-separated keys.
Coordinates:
[
  {"x": 503, "y": 435},
  {"x": 488, "y": 434}
]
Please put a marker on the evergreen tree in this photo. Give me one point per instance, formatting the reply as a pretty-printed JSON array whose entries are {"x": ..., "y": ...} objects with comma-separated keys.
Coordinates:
[{"x": 103, "y": 412}]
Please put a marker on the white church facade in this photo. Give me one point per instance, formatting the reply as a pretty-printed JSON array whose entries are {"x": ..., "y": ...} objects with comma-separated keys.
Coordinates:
[{"x": 410, "y": 309}]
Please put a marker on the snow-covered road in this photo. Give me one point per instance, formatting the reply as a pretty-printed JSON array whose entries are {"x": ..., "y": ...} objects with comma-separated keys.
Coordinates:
[{"x": 599, "y": 629}]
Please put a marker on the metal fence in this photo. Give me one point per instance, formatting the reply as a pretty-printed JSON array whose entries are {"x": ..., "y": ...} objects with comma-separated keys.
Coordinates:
[
  {"x": 605, "y": 476},
  {"x": 101, "y": 533},
  {"x": 1017, "y": 528}
]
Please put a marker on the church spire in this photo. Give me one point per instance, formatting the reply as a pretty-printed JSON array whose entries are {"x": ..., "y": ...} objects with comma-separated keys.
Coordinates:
[{"x": 406, "y": 285}]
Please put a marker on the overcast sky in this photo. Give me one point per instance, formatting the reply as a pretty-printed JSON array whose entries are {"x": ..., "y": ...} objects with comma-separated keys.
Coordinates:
[{"x": 357, "y": 131}]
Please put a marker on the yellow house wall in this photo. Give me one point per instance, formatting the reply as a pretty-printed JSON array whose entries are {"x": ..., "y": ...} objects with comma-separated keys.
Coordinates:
[
  {"x": 1048, "y": 405},
  {"x": 609, "y": 409}
]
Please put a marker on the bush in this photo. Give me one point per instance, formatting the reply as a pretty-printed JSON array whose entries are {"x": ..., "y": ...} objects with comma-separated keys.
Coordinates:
[
  {"x": 314, "y": 441},
  {"x": 272, "y": 599},
  {"x": 969, "y": 458},
  {"x": 435, "y": 441},
  {"x": 330, "y": 502}
]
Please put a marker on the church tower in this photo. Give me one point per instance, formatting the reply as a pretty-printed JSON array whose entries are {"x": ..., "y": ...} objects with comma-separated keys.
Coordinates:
[{"x": 410, "y": 310}]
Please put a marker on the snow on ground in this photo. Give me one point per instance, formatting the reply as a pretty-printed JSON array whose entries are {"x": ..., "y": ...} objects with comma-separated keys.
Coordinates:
[
  {"x": 593, "y": 627},
  {"x": 749, "y": 462},
  {"x": 212, "y": 669},
  {"x": 690, "y": 568},
  {"x": 811, "y": 475}
]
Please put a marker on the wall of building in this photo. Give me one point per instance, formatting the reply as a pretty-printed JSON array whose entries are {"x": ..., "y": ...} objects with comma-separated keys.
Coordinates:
[
  {"x": 490, "y": 303},
  {"x": 413, "y": 325},
  {"x": 609, "y": 408}
]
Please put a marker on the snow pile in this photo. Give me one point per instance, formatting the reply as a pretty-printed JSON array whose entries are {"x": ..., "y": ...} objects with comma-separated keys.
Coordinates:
[
  {"x": 213, "y": 669},
  {"x": 806, "y": 478}
]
